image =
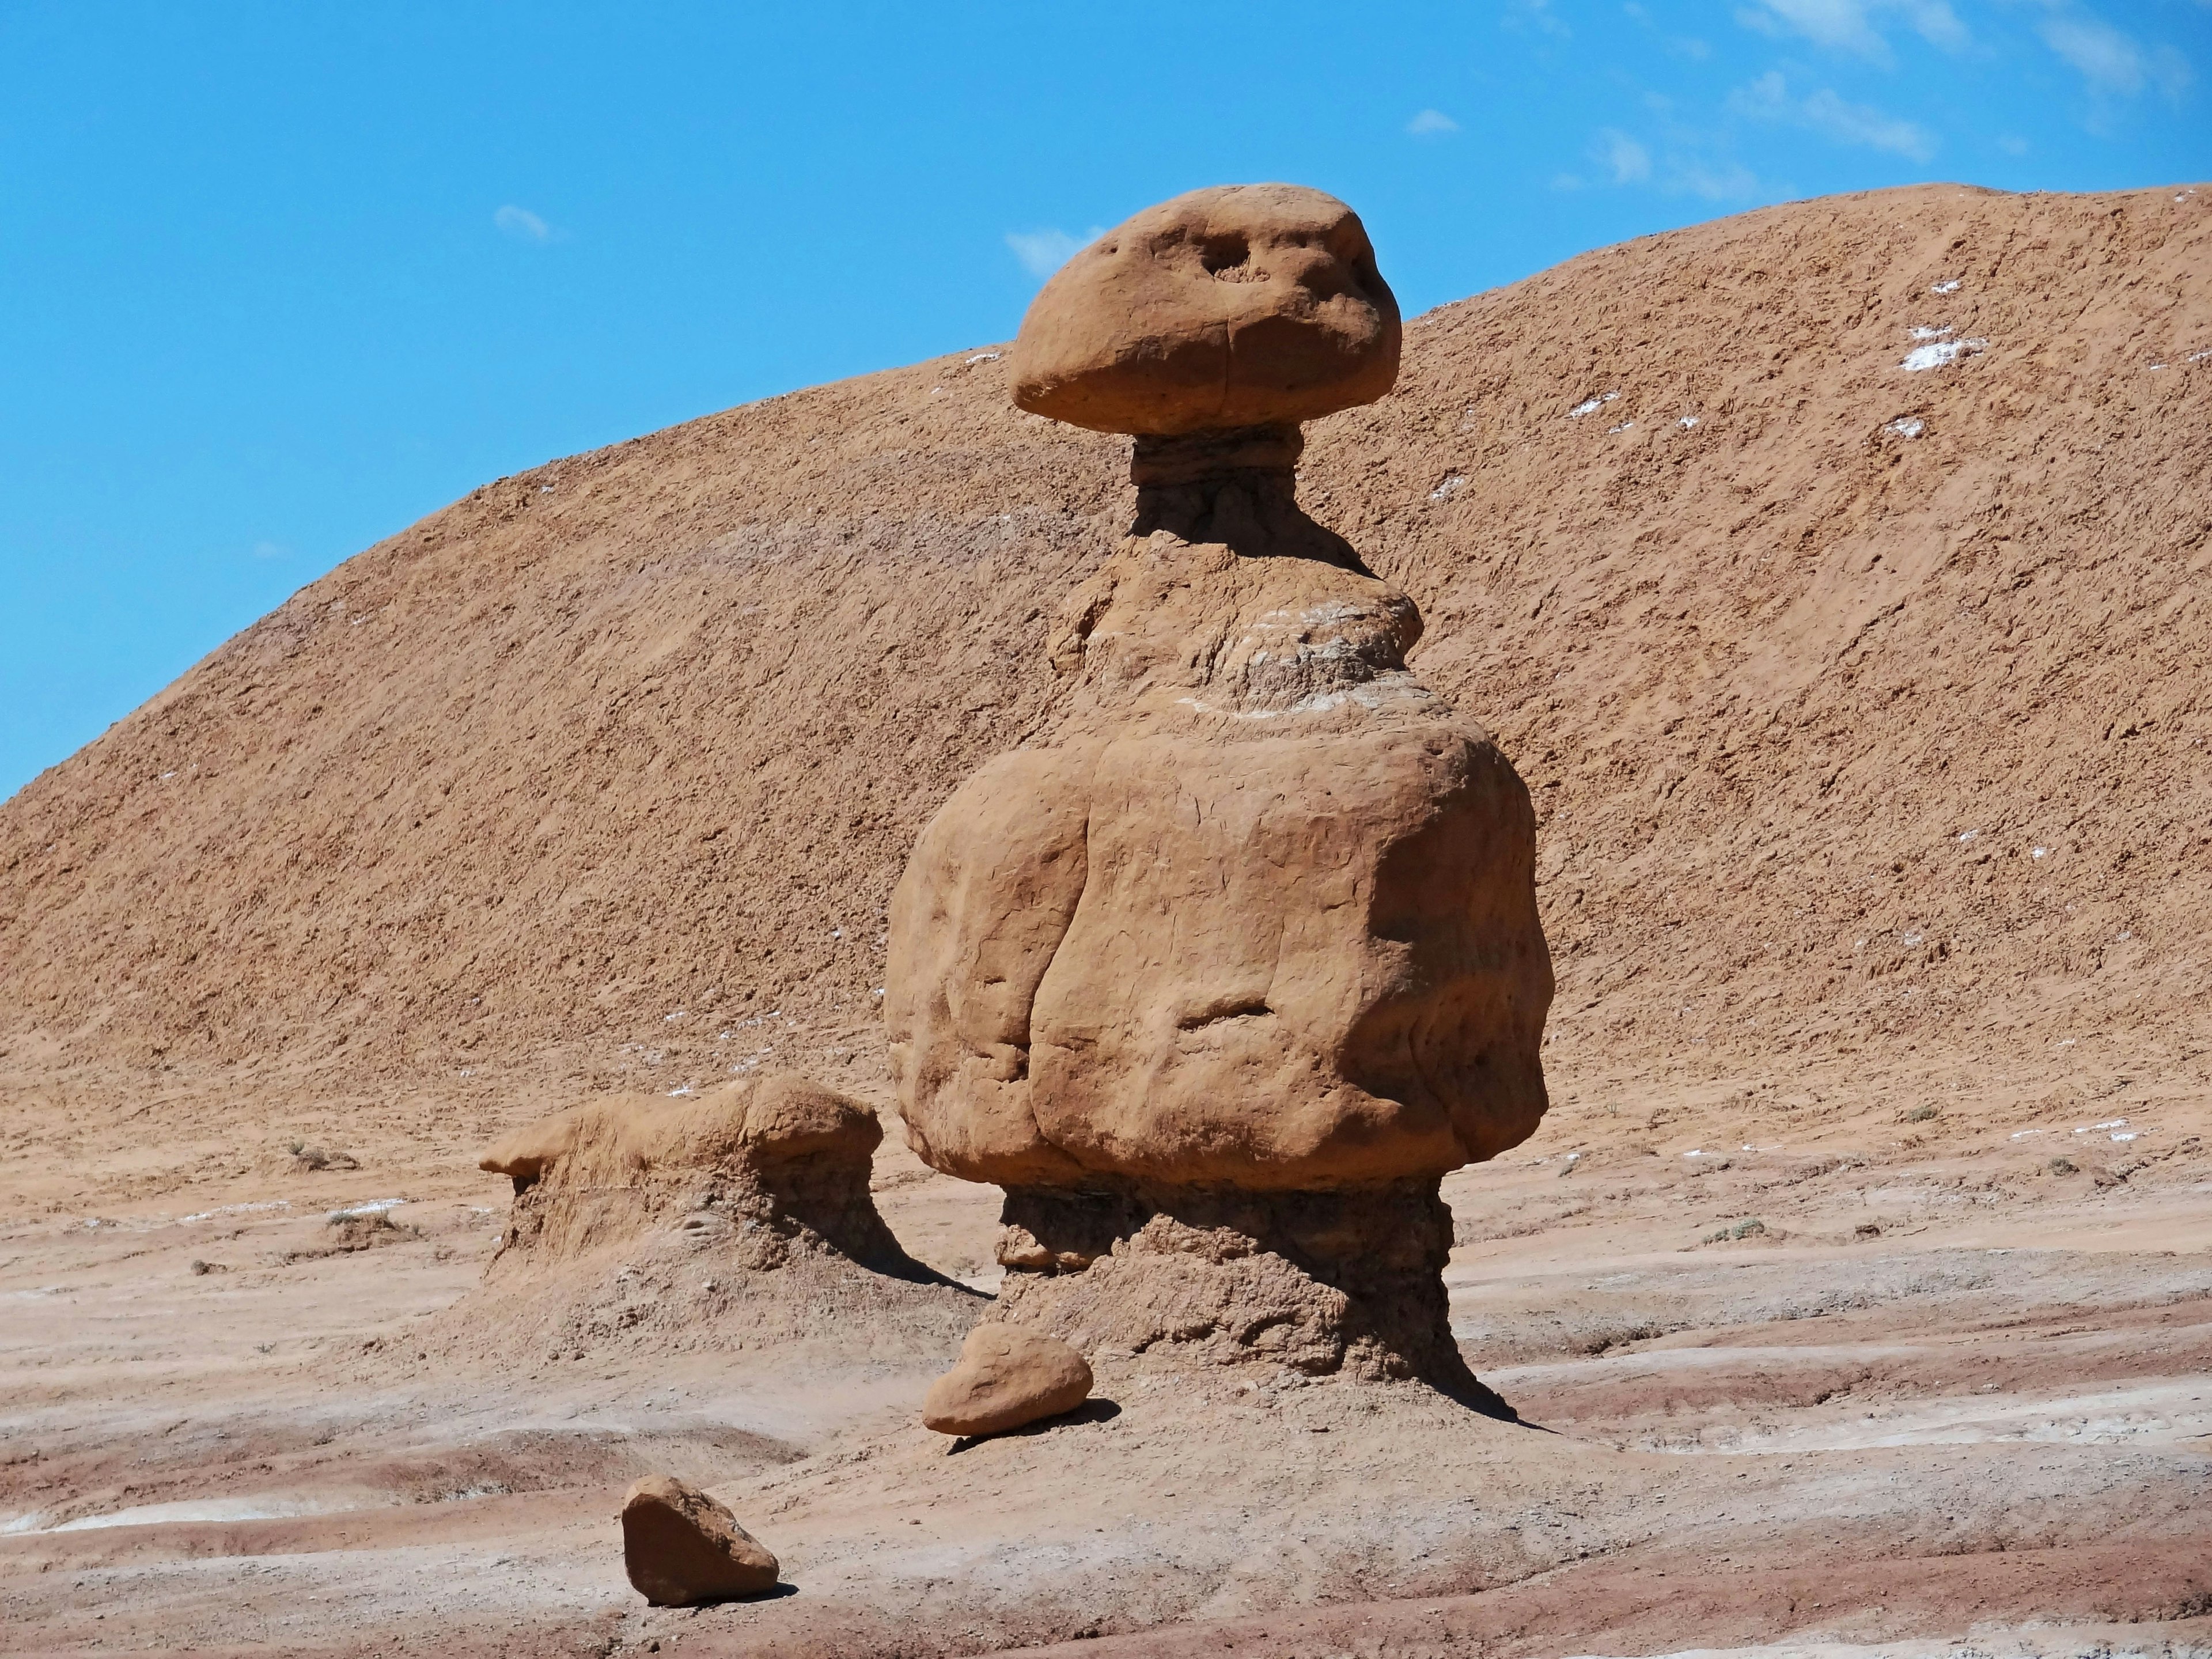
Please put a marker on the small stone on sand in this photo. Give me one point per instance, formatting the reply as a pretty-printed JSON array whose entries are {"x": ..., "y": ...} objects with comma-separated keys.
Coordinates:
[
  {"x": 681, "y": 1547},
  {"x": 1007, "y": 1377}
]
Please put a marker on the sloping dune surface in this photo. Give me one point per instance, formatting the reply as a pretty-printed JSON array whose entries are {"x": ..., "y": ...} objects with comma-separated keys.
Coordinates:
[{"x": 1865, "y": 705}]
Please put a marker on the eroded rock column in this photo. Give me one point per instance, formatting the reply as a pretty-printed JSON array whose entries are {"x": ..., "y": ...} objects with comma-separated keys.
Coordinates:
[{"x": 1219, "y": 978}]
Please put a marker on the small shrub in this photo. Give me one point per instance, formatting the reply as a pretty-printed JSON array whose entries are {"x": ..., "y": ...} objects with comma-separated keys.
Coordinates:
[
  {"x": 1741, "y": 1230},
  {"x": 2061, "y": 1166},
  {"x": 1919, "y": 1115}
]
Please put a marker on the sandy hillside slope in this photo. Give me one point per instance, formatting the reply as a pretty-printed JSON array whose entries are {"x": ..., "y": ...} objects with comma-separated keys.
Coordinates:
[{"x": 1866, "y": 708}]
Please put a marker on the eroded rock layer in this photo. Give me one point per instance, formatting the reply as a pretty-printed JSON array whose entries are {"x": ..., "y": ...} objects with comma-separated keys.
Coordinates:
[{"x": 1345, "y": 1282}]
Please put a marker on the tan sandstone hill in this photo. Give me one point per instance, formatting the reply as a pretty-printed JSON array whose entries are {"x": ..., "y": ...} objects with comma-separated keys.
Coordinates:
[{"x": 1865, "y": 709}]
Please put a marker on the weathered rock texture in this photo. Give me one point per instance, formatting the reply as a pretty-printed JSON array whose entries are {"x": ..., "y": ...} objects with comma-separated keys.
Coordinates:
[
  {"x": 1263, "y": 914},
  {"x": 1234, "y": 307},
  {"x": 1007, "y": 1375},
  {"x": 1258, "y": 916},
  {"x": 1343, "y": 1281},
  {"x": 681, "y": 1547},
  {"x": 738, "y": 1217}
]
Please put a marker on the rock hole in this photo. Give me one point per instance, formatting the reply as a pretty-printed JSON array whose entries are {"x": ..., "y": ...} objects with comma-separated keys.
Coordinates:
[{"x": 1226, "y": 257}]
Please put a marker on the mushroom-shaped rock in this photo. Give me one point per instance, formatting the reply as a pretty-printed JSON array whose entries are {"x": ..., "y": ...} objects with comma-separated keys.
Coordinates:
[
  {"x": 1240, "y": 305},
  {"x": 681, "y": 1547},
  {"x": 1221, "y": 972},
  {"x": 1006, "y": 1376},
  {"x": 744, "y": 1179}
]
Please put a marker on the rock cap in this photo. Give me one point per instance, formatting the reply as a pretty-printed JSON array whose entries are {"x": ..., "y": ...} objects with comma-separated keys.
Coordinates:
[
  {"x": 1238, "y": 305},
  {"x": 772, "y": 1119}
]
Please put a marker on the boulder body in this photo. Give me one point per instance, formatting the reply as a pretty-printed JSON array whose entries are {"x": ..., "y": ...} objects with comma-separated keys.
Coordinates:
[
  {"x": 1007, "y": 1377},
  {"x": 1238, "y": 305},
  {"x": 681, "y": 1547},
  {"x": 1263, "y": 916}
]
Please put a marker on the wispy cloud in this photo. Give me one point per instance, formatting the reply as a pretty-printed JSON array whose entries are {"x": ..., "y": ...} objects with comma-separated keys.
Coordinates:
[
  {"x": 1685, "y": 165},
  {"x": 1722, "y": 181},
  {"x": 271, "y": 550},
  {"x": 1620, "y": 155},
  {"x": 522, "y": 224},
  {"x": 1431, "y": 123},
  {"x": 2111, "y": 62},
  {"x": 1856, "y": 25},
  {"x": 1043, "y": 251},
  {"x": 1537, "y": 15},
  {"x": 1767, "y": 99}
]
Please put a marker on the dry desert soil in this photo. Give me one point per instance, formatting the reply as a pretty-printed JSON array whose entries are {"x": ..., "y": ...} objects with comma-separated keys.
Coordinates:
[{"x": 1855, "y": 1295}]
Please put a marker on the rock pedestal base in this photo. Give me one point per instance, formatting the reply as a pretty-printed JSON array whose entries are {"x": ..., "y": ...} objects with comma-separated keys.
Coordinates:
[{"x": 1346, "y": 1282}]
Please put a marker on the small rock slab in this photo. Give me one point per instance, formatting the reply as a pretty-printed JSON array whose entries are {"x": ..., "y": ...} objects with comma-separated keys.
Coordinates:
[
  {"x": 681, "y": 1547},
  {"x": 1007, "y": 1377}
]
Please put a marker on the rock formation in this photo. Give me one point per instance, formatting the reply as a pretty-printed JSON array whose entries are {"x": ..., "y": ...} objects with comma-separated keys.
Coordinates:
[
  {"x": 1007, "y": 1376},
  {"x": 681, "y": 1547},
  {"x": 766, "y": 1167},
  {"x": 742, "y": 1216},
  {"x": 1221, "y": 977}
]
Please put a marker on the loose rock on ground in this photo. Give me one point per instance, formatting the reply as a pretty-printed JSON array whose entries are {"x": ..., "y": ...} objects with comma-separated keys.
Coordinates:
[
  {"x": 680, "y": 1548},
  {"x": 1006, "y": 1377}
]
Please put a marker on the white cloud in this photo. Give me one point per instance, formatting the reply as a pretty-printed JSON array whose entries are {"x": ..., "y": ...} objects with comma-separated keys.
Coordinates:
[
  {"x": 1431, "y": 121},
  {"x": 1538, "y": 14},
  {"x": 522, "y": 224},
  {"x": 2110, "y": 61},
  {"x": 1728, "y": 181},
  {"x": 1043, "y": 251},
  {"x": 271, "y": 550},
  {"x": 1855, "y": 26},
  {"x": 1861, "y": 124},
  {"x": 1628, "y": 162},
  {"x": 1767, "y": 99}
]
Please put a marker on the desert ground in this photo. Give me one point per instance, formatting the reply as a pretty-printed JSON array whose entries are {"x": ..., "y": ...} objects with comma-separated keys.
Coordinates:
[
  {"x": 1854, "y": 1297},
  {"x": 1933, "y": 1400}
]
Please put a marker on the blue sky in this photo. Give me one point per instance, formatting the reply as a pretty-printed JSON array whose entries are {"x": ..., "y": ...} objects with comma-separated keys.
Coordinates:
[{"x": 276, "y": 280}]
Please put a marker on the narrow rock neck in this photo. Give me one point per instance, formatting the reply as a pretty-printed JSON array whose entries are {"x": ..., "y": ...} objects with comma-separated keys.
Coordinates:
[
  {"x": 1200, "y": 457},
  {"x": 1237, "y": 486}
]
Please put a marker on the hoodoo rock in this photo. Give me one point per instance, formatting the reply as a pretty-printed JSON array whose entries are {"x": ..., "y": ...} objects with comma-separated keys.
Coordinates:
[
  {"x": 743, "y": 1215},
  {"x": 781, "y": 1154},
  {"x": 1218, "y": 978},
  {"x": 681, "y": 1547},
  {"x": 1007, "y": 1377}
]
